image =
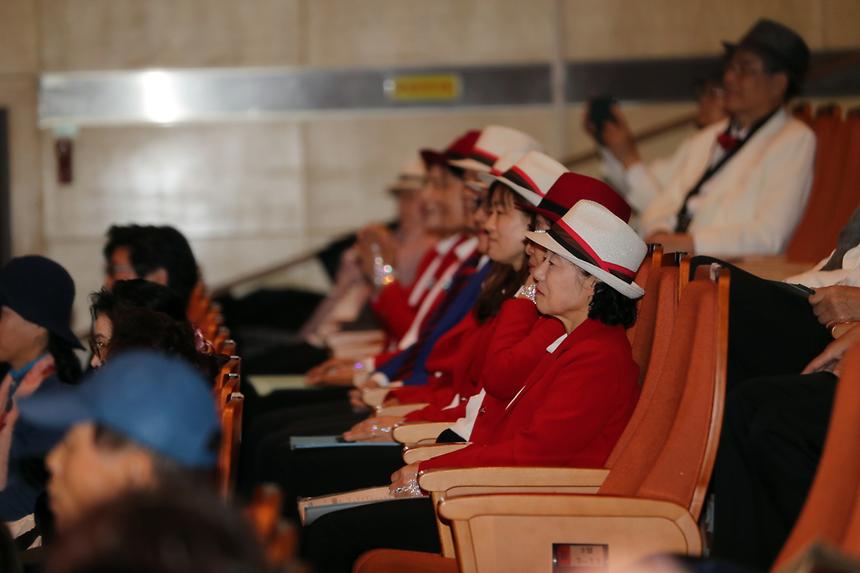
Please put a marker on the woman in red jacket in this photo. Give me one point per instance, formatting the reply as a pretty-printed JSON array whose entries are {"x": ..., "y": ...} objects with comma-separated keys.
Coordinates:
[{"x": 570, "y": 411}]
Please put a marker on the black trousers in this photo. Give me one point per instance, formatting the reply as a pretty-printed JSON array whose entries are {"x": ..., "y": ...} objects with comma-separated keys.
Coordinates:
[
  {"x": 333, "y": 542},
  {"x": 772, "y": 437},
  {"x": 267, "y": 432},
  {"x": 772, "y": 329}
]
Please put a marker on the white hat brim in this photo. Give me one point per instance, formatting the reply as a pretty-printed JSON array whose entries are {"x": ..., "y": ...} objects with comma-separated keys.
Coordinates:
[
  {"x": 527, "y": 194},
  {"x": 630, "y": 290},
  {"x": 470, "y": 164}
]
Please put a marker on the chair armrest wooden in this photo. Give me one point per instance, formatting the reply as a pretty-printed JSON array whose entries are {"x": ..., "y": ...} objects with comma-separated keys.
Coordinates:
[
  {"x": 415, "y": 454},
  {"x": 400, "y": 410},
  {"x": 419, "y": 433},
  {"x": 618, "y": 531},
  {"x": 772, "y": 267},
  {"x": 356, "y": 345},
  {"x": 469, "y": 481},
  {"x": 374, "y": 397},
  {"x": 365, "y": 495},
  {"x": 449, "y": 483}
]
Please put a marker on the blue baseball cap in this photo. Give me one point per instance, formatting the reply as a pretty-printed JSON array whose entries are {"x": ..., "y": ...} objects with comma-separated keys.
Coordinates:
[{"x": 154, "y": 400}]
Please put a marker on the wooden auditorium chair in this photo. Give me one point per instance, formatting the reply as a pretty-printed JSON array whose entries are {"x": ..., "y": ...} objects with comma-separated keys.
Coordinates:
[{"x": 649, "y": 500}]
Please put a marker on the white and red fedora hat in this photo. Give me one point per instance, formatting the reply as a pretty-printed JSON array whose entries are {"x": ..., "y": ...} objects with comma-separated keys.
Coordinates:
[
  {"x": 410, "y": 177},
  {"x": 531, "y": 175},
  {"x": 597, "y": 241},
  {"x": 494, "y": 142}
]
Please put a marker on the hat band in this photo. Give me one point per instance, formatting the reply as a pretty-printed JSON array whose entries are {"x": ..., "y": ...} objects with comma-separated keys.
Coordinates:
[
  {"x": 578, "y": 247},
  {"x": 552, "y": 207},
  {"x": 484, "y": 157},
  {"x": 519, "y": 177}
]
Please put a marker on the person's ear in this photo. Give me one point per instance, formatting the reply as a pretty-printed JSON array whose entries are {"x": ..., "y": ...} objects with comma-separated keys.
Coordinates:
[{"x": 159, "y": 276}]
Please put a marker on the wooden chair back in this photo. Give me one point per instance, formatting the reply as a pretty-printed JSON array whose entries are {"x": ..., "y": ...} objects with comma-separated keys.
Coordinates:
[
  {"x": 279, "y": 538},
  {"x": 671, "y": 454},
  {"x": 231, "y": 438}
]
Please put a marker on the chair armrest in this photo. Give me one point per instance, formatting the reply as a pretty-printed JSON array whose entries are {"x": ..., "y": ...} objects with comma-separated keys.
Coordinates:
[
  {"x": 468, "y": 481},
  {"x": 419, "y": 433},
  {"x": 400, "y": 410},
  {"x": 621, "y": 530},
  {"x": 370, "y": 494},
  {"x": 374, "y": 397},
  {"x": 415, "y": 454},
  {"x": 772, "y": 267}
]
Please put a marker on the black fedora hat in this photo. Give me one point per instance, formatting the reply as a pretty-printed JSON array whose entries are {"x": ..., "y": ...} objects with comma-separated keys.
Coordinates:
[
  {"x": 781, "y": 45},
  {"x": 42, "y": 292}
]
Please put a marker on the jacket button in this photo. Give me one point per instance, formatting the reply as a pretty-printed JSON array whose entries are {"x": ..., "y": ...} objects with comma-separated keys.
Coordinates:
[{"x": 483, "y": 410}]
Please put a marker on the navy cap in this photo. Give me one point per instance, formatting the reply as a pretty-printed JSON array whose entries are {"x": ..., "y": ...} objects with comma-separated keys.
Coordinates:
[
  {"x": 42, "y": 292},
  {"x": 154, "y": 400}
]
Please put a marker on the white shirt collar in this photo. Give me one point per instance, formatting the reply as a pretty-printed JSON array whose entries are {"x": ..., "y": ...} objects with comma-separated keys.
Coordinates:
[{"x": 554, "y": 346}]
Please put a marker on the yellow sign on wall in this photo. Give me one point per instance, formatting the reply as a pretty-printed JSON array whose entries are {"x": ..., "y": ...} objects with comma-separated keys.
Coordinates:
[{"x": 423, "y": 87}]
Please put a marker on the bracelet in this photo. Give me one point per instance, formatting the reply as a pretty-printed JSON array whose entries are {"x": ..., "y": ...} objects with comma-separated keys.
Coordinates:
[
  {"x": 527, "y": 291},
  {"x": 412, "y": 489}
]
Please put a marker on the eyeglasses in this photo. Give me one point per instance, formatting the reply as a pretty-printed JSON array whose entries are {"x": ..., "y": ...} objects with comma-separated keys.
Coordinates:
[{"x": 744, "y": 69}]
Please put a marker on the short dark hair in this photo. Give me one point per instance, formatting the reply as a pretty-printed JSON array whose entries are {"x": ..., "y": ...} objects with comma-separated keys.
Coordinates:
[
  {"x": 611, "y": 307},
  {"x": 143, "y": 328},
  {"x": 154, "y": 247},
  {"x": 138, "y": 293},
  {"x": 180, "y": 530}
]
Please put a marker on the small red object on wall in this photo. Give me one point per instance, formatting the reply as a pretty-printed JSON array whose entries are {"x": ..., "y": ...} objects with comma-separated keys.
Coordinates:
[{"x": 63, "y": 149}]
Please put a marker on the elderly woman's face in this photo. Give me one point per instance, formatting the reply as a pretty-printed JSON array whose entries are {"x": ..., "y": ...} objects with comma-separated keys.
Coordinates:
[{"x": 563, "y": 290}]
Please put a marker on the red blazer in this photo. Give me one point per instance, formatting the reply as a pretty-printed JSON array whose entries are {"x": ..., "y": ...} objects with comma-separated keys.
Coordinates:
[
  {"x": 442, "y": 363},
  {"x": 571, "y": 411},
  {"x": 391, "y": 304},
  {"x": 509, "y": 355},
  {"x": 469, "y": 359}
]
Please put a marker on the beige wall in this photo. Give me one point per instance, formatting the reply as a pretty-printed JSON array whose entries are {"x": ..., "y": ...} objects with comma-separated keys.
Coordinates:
[{"x": 250, "y": 193}]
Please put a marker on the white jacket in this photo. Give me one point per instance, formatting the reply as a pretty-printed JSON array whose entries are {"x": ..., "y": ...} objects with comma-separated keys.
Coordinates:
[{"x": 751, "y": 205}]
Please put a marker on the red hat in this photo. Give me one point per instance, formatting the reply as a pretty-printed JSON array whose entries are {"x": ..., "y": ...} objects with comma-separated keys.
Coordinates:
[
  {"x": 572, "y": 187},
  {"x": 460, "y": 148}
]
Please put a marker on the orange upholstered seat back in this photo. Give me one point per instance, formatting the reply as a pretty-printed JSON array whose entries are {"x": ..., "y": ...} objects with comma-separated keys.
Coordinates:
[
  {"x": 816, "y": 232},
  {"x": 831, "y": 513},
  {"x": 671, "y": 453},
  {"x": 641, "y": 333},
  {"x": 663, "y": 286}
]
